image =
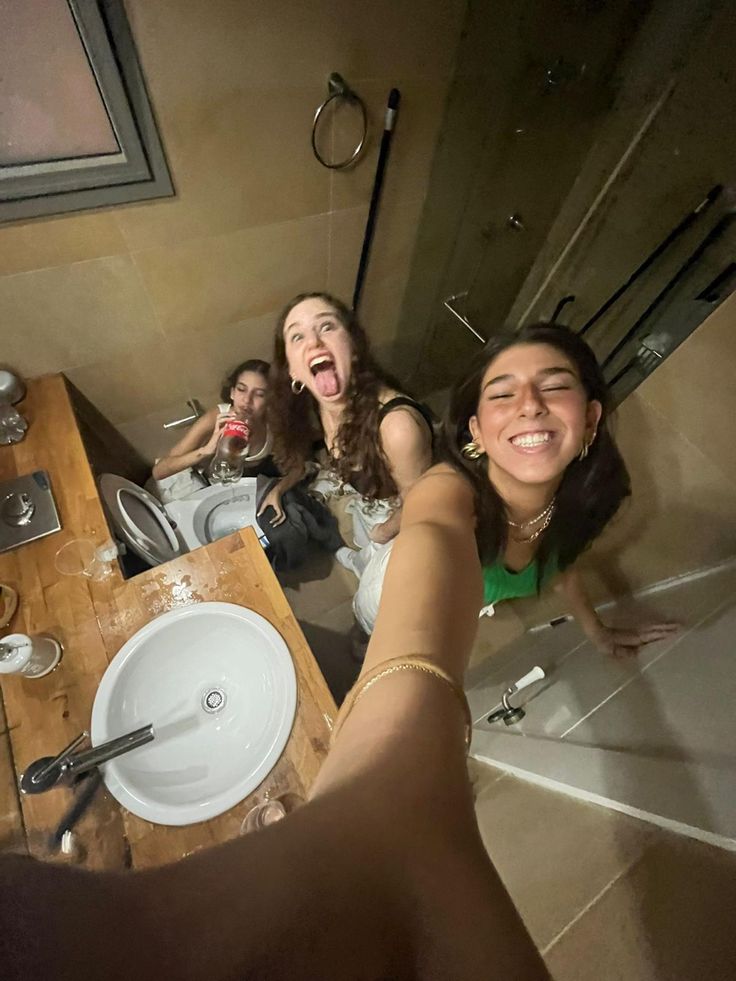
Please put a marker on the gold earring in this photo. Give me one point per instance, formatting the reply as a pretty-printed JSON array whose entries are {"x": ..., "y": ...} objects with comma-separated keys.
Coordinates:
[
  {"x": 471, "y": 451},
  {"x": 297, "y": 387},
  {"x": 586, "y": 446}
]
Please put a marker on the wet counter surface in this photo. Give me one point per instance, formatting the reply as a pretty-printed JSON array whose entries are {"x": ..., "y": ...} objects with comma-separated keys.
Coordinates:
[{"x": 93, "y": 620}]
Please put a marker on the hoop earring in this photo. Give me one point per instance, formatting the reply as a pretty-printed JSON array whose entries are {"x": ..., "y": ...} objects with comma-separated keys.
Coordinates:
[
  {"x": 586, "y": 447},
  {"x": 297, "y": 387},
  {"x": 471, "y": 451}
]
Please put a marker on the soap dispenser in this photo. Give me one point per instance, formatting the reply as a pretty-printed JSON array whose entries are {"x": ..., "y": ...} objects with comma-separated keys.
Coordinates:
[{"x": 31, "y": 656}]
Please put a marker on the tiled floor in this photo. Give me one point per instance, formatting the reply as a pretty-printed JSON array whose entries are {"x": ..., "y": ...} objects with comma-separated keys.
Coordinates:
[
  {"x": 606, "y": 897},
  {"x": 653, "y": 735},
  {"x": 320, "y": 594}
]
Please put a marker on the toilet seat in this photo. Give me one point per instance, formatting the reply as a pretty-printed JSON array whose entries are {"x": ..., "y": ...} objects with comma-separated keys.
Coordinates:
[{"x": 140, "y": 519}]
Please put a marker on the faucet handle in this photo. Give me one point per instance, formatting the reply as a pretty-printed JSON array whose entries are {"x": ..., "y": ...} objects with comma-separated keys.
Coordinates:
[{"x": 43, "y": 773}]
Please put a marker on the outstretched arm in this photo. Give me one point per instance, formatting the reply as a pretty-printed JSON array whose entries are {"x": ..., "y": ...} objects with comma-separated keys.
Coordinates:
[
  {"x": 616, "y": 641},
  {"x": 382, "y": 874}
]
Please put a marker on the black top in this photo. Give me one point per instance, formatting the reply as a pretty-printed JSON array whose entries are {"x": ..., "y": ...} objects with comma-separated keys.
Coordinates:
[
  {"x": 265, "y": 466},
  {"x": 399, "y": 401}
]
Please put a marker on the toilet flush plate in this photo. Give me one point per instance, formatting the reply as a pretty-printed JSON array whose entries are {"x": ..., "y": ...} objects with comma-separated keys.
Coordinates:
[{"x": 27, "y": 510}]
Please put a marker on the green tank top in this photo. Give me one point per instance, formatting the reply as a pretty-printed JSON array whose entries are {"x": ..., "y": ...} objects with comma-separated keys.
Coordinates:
[{"x": 499, "y": 583}]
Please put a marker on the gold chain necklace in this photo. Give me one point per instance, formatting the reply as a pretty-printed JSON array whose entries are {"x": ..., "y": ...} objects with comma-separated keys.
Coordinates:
[
  {"x": 532, "y": 521},
  {"x": 535, "y": 535}
]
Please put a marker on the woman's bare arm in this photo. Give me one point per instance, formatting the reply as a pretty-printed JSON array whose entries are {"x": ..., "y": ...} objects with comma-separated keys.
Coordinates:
[
  {"x": 382, "y": 874},
  {"x": 196, "y": 445},
  {"x": 407, "y": 445},
  {"x": 616, "y": 641}
]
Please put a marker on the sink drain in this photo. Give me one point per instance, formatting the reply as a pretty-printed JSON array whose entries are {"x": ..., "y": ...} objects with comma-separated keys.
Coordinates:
[{"x": 214, "y": 700}]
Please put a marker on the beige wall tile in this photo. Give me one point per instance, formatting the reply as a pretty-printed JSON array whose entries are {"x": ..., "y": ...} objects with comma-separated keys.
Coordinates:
[
  {"x": 146, "y": 433},
  {"x": 58, "y": 318},
  {"x": 683, "y": 510},
  {"x": 58, "y": 241},
  {"x": 695, "y": 388},
  {"x": 240, "y": 158},
  {"x": 667, "y": 918},
  {"x": 209, "y": 355},
  {"x": 380, "y": 308},
  {"x": 347, "y": 228},
  {"x": 222, "y": 279},
  {"x": 151, "y": 376},
  {"x": 415, "y": 37},
  {"x": 286, "y": 43},
  {"x": 389, "y": 266}
]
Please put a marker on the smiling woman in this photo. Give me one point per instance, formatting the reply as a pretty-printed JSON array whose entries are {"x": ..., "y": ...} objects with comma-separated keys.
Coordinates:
[{"x": 529, "y": 429}]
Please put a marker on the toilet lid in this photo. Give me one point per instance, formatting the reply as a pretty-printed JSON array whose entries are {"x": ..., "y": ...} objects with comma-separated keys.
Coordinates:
[{"x": 140, "y": 519}]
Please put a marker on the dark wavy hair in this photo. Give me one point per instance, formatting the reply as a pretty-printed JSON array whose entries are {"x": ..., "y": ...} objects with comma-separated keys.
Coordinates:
[
  {"x": 254, "y": 364},
  {"x": 591, "y": 490},
  {"x": 294, "y": 421}
]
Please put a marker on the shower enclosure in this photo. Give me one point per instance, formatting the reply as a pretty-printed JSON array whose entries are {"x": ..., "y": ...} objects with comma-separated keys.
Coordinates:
[{"x": 576, "y": 138}]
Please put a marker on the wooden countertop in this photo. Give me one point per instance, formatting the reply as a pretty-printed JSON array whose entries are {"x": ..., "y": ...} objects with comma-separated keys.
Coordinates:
[{"x": 93, "y": 620}]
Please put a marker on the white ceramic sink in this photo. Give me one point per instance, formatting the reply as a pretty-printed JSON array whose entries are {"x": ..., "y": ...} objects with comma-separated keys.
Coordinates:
[{"x": 218, "y": 683}]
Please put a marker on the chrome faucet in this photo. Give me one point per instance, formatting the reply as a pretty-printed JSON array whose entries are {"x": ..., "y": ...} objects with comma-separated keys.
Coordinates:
[
  {"x": 505, "y": 711},
  {"x": 48, "y": 771}
]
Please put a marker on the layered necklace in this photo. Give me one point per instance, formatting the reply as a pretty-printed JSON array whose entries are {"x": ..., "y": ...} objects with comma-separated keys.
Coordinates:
[{"x": 542, "y": 520}]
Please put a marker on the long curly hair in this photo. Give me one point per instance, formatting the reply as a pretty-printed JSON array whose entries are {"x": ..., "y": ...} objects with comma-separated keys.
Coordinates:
[
  {"x": 591, "y": 490},
  {"x": 294, "y": 420}
]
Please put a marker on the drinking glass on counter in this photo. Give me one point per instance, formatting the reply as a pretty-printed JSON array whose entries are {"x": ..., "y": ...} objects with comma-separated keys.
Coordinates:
[
  {"x": 269, "y": 811},
  {"x": 81, "y": 557}
]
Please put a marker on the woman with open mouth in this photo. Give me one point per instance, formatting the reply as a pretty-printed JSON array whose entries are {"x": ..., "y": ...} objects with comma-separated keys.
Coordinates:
[{"x": 327, "y": 387}]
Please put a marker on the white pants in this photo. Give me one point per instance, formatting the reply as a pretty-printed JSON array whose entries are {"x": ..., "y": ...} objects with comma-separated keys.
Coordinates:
[
  {"x": 371, "y": 561},
  {"x": 368, "y": 560},
  {"x": 368, "y": 597}
]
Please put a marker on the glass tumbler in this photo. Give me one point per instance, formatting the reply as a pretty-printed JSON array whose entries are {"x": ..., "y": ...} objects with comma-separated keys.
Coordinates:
[{"x": 81, "y": 557}]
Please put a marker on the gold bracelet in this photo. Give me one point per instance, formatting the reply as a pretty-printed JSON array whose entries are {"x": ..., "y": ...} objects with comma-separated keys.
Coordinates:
[{"x": 412, "y": 662}]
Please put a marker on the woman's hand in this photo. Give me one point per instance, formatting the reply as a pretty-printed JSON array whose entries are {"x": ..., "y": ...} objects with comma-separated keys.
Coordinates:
[
  {"x": 273, "y": 500},
  {"x": 214, "y": 439},
  {"x": 625, "y": 642},
  {"x": 387, "y": 530}
]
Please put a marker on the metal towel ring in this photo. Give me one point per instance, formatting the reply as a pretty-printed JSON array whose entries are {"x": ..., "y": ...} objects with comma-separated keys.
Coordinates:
[{"x": 338, "y": 88}]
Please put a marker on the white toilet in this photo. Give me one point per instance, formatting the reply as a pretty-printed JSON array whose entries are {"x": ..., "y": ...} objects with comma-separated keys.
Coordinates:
[
  {"x": 159, "y": 532},
  {"x": 140, "y": 520},
  {"x": 214, "y": 512}
]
